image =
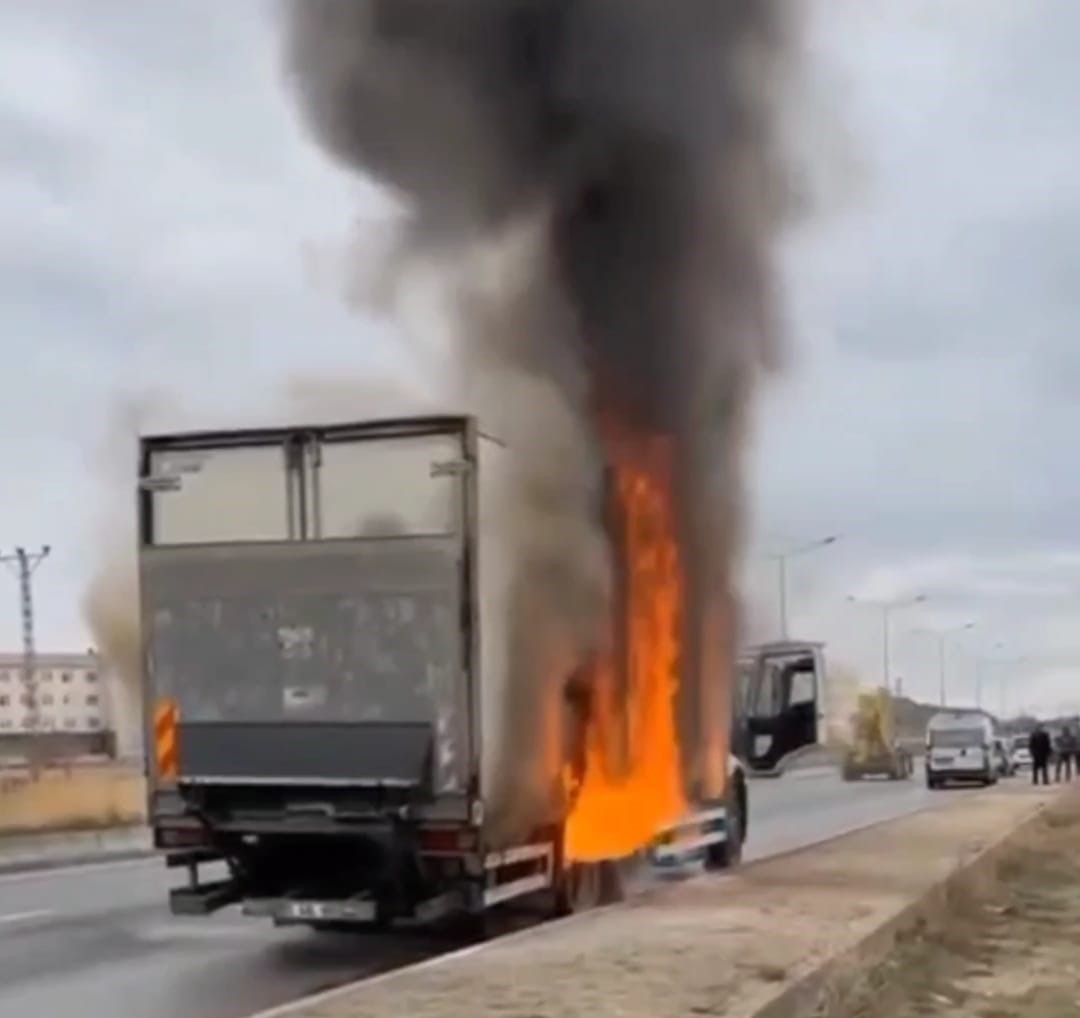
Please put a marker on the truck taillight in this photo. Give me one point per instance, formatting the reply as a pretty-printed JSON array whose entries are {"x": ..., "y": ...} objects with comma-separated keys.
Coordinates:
[
  {"x": 448, "y": 840},
  {"x": 179, "y": 837}
]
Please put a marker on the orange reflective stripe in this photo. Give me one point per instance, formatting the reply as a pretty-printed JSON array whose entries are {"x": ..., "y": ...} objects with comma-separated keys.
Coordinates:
[{"x": 166, "y": 746}]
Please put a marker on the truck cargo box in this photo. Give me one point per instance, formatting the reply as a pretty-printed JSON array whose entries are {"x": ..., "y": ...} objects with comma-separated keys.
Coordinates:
[{"x": 310, "y": 600}]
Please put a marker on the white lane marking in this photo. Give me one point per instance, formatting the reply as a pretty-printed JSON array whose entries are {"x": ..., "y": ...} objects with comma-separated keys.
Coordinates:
[
  {"x": 21, "y": 917},
  {"x": 52, "y": 872}
]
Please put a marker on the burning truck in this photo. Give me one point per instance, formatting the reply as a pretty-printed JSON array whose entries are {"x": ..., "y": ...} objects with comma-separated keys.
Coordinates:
[
  {"x": 327, "y": 667},
  {"x": 405, "y": 667}
]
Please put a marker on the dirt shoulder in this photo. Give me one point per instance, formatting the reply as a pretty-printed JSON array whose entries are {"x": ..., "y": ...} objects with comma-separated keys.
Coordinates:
[{"x": 1013, "y": 954}]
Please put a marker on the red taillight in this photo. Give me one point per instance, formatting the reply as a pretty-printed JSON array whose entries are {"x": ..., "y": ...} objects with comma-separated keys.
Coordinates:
[
  {"x": 447, "y": 840},
  {"x": 179, "y": 837}
]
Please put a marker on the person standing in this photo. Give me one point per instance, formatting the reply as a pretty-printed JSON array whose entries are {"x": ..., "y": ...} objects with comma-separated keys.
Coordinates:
[
  {"x": 1066, "y": 749},
  {"x": 1039, "y": 746}
]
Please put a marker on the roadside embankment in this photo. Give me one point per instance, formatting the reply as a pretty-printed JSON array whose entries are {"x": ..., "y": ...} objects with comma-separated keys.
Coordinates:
[
  {"x": 779, "y": 939},
  {"x": 78, "y": 798},
  {"x": 1008, "y": 954},
  {"x": 83, "y": 814}
]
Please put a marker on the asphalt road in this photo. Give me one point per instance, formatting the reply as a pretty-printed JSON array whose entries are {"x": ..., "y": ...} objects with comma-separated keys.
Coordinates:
[{"x": 98, "y": 942}]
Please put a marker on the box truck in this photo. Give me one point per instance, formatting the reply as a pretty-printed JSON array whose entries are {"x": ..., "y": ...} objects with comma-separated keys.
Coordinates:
[{"x": 320, "y": 616}]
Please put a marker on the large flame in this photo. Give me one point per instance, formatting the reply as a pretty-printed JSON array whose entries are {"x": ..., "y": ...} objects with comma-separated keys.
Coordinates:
[{"x": 631, "y": 784}]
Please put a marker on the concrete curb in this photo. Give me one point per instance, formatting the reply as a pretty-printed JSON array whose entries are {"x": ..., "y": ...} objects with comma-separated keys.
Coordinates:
[
  {"x": 814, "y": 992},
  {"x": 41, "y": 852}
]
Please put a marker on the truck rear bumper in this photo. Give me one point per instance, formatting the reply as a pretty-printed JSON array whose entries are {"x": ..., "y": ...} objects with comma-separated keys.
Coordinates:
[
  {"x": 355, "y": 911},
  {"x": 384, "y": 873}
]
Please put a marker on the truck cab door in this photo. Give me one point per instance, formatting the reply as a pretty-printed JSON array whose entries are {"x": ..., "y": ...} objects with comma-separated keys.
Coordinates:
[{"x": 782, "y": 709}]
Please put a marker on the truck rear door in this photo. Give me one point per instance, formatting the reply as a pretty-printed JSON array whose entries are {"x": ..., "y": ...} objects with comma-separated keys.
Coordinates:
[{"x": 306, "y": 608}]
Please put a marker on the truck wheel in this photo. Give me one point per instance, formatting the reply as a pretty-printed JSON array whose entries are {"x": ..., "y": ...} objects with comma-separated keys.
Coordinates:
[
  {"x": 727, "y": 854},
  {"x": 587, "y": 885}
]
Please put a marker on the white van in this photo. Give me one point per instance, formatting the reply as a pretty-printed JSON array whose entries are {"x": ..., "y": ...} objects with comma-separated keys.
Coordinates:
[{"x": 960, "y": 747}]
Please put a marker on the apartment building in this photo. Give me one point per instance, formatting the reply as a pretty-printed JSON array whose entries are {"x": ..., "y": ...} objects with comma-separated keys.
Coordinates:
[{"x": 70, "y": 695}]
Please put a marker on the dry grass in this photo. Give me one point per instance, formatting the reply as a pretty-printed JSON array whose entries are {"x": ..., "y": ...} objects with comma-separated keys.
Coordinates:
[
  {"x": 1009, "y": 956},
  {"x": 82, "y": 799}
]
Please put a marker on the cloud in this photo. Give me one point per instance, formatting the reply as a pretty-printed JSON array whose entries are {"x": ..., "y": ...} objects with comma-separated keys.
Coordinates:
[
  {"x": 167, "y": 225},
  {"x": 930, "y": 411}
]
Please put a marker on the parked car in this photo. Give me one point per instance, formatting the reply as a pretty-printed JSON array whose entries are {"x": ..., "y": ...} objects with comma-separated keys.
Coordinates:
[{"x": 1021, "y": 754}]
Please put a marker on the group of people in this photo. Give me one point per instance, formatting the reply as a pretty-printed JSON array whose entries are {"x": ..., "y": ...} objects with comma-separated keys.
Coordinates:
[{"x": 1064, "y": 751}]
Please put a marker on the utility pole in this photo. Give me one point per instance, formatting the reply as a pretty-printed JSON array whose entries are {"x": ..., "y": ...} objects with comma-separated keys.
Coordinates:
[
  {"x": 886, "y": 608},
  {"x": 781, "y": 560},
  {"x": 24, "y": 564}
]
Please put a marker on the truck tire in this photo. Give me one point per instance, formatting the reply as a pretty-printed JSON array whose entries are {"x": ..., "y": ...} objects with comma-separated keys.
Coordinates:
[
  {"x": 728, "y": 854},
  {"x": 587, "y": 885}
]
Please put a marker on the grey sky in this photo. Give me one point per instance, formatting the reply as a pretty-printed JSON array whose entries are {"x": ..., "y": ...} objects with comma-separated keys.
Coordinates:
[{"x": 163, "y": 218}]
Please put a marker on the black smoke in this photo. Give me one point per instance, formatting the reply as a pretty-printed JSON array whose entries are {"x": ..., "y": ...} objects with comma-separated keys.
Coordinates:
[{"x": 643, "y": 137}]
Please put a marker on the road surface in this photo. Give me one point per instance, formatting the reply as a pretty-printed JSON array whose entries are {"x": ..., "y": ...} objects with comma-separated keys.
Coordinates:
[{"x": 98, "y": 942}]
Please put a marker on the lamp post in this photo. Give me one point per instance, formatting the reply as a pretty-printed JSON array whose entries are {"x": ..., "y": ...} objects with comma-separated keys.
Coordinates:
[
  {"x": 781, "y": 560},
  {"x": 979, "y": 663},
  {"x": 886, "y": 608},
  {"x": 940, "y": 635},
  {"x": 1002, "y": 685}
]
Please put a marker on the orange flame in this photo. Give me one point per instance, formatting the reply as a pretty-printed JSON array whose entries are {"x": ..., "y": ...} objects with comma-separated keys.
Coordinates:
[{"x": 631, "y": 785}]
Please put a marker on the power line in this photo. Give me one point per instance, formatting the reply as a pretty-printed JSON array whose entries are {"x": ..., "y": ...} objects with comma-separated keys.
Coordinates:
[{"x": 24, "y": 564}]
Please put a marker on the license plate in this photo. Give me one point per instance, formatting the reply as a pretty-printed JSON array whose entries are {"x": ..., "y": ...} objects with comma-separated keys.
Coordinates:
[{"x": 305, "y": 910}]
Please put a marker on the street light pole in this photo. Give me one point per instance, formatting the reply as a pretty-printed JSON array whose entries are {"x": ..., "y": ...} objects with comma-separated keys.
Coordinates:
[
  {"x": 885, "y": 647},
  {"x": 979, "y": 662},
  {"x": 781, "y": 559},
  {"x": 1001, "y": 681},
  {"x": 940, "y": 636},
  {"x": 781, "y": 563},
  {"x": 886, "y": 608}
]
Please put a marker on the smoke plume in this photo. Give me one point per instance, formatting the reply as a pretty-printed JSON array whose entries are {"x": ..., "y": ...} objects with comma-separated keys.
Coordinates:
[{"x": 604, "y": 182}]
